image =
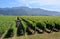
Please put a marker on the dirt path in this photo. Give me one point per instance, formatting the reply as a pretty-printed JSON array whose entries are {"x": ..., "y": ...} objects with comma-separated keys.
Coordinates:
[{"x": 14, "y": 37}]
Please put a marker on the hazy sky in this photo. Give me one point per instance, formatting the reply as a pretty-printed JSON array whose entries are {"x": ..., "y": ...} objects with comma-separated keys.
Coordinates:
[{"x": 44, "y": 4}]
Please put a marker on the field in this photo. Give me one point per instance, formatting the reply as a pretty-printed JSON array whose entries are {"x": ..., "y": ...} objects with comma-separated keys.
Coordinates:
[{"x": 32, "y": 27}]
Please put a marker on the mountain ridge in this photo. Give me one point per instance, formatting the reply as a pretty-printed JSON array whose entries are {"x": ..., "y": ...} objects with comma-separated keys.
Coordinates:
[{"x": 19, "y": 11}]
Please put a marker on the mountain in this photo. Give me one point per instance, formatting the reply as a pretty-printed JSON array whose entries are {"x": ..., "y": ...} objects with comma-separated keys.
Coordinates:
[{"x": 19, "y": 11}]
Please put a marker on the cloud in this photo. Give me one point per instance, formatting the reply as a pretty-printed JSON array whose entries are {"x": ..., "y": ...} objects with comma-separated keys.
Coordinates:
[
  {"x": 45, "y": 4},
  {"x": 40, "y": 2}
]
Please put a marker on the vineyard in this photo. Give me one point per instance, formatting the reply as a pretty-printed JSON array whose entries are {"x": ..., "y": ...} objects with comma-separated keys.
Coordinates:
[{"x": 30, "y": 25}]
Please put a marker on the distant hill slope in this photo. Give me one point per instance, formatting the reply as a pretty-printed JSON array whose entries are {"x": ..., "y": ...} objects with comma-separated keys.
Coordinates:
[{"x": 27, "y": 11}]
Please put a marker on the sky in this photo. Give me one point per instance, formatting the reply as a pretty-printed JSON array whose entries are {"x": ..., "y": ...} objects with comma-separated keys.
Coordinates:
[{"x": 52, "y": 5}]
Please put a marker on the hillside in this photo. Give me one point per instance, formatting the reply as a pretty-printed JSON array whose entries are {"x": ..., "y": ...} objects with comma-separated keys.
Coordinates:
[{"x": 27, "y": 11}]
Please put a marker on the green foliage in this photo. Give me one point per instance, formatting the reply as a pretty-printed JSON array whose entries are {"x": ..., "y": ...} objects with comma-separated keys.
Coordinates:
[
  {"x": 42, "y": 22},
  {"x": 50, "y": 24},
  {"x": 57, "y": 24},
  {"x": 41, "y": 25}
]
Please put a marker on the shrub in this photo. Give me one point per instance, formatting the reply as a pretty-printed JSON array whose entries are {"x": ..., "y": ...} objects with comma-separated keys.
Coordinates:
[
  {"x": 41, "y": 25},
  {"x": 57, "y": 24},
  {"x": 50, "y": 25}
]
